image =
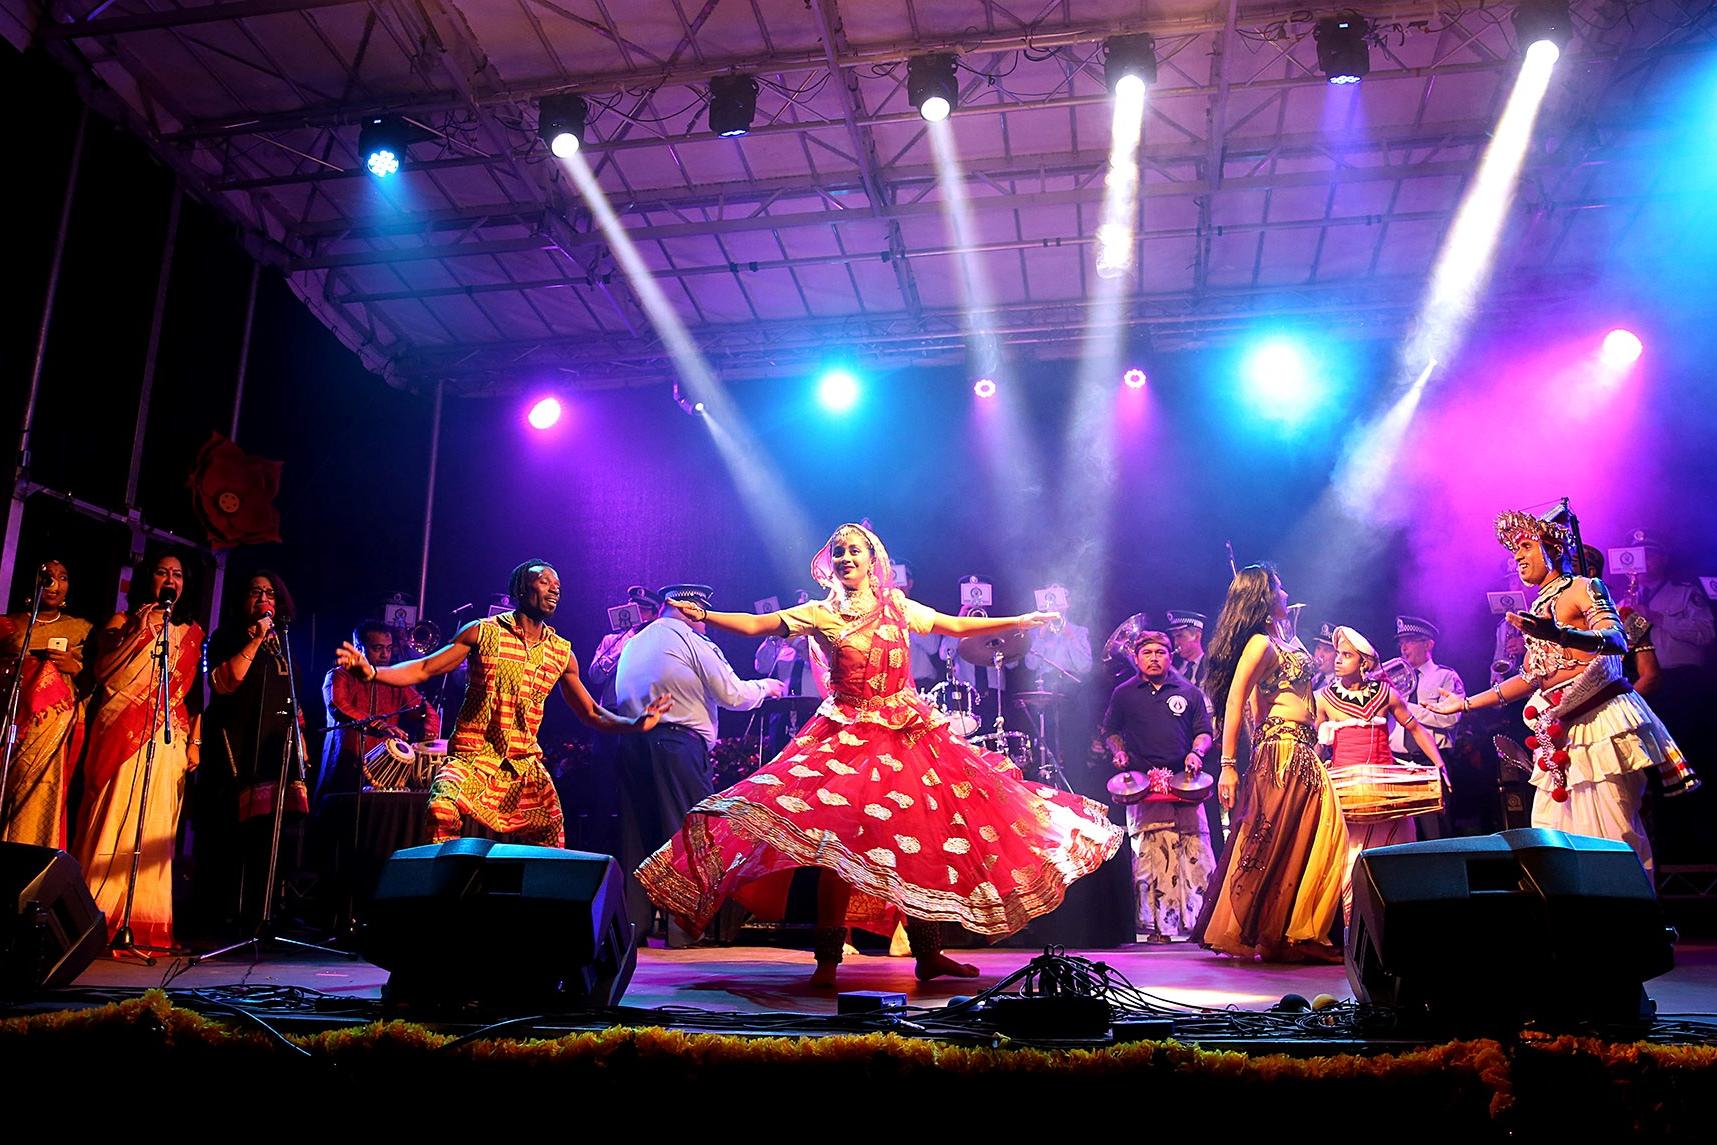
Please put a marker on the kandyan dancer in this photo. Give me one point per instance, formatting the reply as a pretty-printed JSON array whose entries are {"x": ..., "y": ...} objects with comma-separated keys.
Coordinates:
[
  {"x": 1593, "y": 738},
  {"x": 900, "y": 815}
]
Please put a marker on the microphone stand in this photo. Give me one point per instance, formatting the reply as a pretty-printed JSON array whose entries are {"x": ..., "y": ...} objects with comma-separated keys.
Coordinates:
[
  {"x": 14, "y": 692},
  {"x": 160, "y": 717},
  {"x": 293, "y": 748}
]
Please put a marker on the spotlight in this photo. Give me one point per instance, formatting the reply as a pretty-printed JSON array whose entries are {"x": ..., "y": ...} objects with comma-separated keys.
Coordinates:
[
  {"x": 838, "y": 391},
  {"x": 1537, "y": 21},
  {"x": 931, "y": 86},
  {"x": 544, "y": 413},
  {"x": 732, "y": 104},
  {"x": 1622, "y": 348},
  {"x": 560, "y": 123},
  {"x": 1278, "y": 379},
  {"x": 1343, "y": 53},
  {"x": 1134, "y": 379},
  {"x": 1132, "y": 59},
  {"x": 688, "y": 407},
  {"x": 381, "y": 144},
  {"x": 984, "y": 387}
]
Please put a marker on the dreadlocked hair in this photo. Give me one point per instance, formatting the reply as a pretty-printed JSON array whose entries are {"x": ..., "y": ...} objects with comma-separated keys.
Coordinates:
[
  {"x": 1249, "y": 611},
  {"x": 522, "y": 577}
]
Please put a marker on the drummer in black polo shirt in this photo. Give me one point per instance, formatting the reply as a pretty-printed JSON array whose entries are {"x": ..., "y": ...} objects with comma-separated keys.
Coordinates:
[{"x": 1157, "y": 724}]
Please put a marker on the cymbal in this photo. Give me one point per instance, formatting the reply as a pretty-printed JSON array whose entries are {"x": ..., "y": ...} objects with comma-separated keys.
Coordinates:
[
  {"x": 1037, "y": 699},
  {"x": 1193, "y": 787},
  {"x": 1128, "y": 787},
  {"x": 982, "y": 649}
]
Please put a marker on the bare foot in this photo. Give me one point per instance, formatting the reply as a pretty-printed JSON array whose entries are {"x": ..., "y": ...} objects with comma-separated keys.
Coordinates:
[
  {"x": 939, "y": 965},
  {"x": 824, "y": 976}
]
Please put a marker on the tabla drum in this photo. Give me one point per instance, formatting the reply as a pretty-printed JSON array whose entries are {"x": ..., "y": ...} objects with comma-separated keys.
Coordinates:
[
  {"x": 959, "y": 702},
  {"x": 1015, "y": 745},
  {"x": 389, "y": 766},
  {"x": 1378, "y": 792}
]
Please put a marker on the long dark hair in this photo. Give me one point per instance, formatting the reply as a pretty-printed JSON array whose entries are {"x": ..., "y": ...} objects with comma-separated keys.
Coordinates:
[
  {"x": 141, "y": 593},
  {"x": 1249, "y": 611}
]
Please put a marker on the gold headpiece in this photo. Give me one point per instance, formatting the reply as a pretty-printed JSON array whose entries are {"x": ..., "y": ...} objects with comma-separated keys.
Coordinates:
[{"x": 1514, "y": 526}]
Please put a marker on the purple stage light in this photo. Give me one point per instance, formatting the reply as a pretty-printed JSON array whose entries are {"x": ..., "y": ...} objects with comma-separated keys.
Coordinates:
[
  {"x": 984, "y": 387},
  {"x": 545, "y": 413},
  {"x": 1134, "y": 379},
  {"x": 1622, "y": 348}
]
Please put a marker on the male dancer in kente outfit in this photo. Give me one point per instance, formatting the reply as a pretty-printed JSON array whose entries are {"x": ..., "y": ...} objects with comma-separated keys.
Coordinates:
[
  {"x": 1593, "y": 737},
  {"x": 493, "y": 783}
]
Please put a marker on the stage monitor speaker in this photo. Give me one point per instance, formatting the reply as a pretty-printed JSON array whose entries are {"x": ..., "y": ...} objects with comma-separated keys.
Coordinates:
[
  {"x": 1491, "y": 933},
  {"x": 50, "y": 927},
  {"x": 476, "y": 924}
]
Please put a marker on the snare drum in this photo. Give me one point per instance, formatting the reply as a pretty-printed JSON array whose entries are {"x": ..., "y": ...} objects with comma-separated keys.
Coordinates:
[
  {"x": 1015, "y": 745},
  {"x": 959, "y": 702}
]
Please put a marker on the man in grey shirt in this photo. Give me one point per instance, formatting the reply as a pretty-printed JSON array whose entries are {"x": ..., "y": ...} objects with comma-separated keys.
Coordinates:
[{"x": 665, "y": 773}]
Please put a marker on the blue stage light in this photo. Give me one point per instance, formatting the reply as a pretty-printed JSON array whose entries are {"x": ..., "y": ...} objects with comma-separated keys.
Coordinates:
[
  {"x": 1278, "y": 379},
  {"x": 381, "y": 145},
  {"x": 838, "y": 391}
]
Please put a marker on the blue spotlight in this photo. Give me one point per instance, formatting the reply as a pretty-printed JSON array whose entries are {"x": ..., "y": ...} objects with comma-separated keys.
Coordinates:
[
  {"x": 381, "y": 145},
  {"x": 1278, "y": 379},
  {"x": 838, "y": 391}
]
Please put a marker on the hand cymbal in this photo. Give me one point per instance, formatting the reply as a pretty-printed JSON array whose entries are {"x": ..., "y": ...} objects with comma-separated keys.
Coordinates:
[{"x": 982, "y": 649}]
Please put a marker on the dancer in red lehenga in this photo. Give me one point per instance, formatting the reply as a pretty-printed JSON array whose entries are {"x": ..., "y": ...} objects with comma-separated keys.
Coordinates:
[{"x": 902, "y": 816}]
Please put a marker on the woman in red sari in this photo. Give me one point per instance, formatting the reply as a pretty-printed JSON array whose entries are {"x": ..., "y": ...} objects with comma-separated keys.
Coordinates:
[
  {"x": 128, "y": 678},
  {"x": 901, "y": 816}
]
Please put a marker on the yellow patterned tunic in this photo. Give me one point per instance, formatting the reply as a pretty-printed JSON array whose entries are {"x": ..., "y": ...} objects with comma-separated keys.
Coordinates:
[{"x": 494, "y": 773}]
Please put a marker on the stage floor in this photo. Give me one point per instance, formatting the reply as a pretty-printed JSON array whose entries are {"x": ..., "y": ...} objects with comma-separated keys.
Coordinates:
[{"x": 744, "y": 979}]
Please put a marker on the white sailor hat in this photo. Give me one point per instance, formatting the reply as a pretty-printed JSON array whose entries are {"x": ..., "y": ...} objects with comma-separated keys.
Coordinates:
[{"x": 1410, "y": 627}]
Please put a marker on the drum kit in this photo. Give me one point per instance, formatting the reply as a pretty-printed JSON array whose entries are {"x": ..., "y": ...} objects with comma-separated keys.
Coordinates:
[{"x": 1028, "y": 750}]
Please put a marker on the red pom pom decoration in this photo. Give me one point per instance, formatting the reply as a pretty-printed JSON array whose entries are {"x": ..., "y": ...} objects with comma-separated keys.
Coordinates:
[
  {"x": 1543, "y": 765},
  {"x": 1559, "y": 794},
  {"x": 1531, "y": 743},
  {"x": 1554, "y": 697},
  {"x": 1559, "y": 758},
  {"x": 1531, "y": 712},
  {"x": 1554, "y": 731}
]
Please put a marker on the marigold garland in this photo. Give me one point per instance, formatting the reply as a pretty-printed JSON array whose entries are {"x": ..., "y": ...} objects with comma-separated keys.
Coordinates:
[{"x": 1480, "y": 1085}]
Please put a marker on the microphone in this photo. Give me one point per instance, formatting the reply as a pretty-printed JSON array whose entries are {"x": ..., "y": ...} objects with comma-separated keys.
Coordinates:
[
  {"x": 169, "y": 595},
  {"x": 43, "y": 576}
]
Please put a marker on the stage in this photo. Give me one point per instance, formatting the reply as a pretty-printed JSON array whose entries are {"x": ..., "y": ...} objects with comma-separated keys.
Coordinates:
[{"x": 742, "y": 980}]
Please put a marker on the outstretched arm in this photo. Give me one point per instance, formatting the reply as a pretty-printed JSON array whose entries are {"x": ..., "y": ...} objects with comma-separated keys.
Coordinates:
[
  {"x": 744, "y": 623},
  {"x": 412, "y": 672},
  {"x": 572, "y": 690},
  {"x": 945, "y": 625}
]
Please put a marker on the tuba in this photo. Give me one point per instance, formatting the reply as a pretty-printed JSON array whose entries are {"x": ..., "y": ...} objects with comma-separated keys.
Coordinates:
[{"x": 422, "y": 638}]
